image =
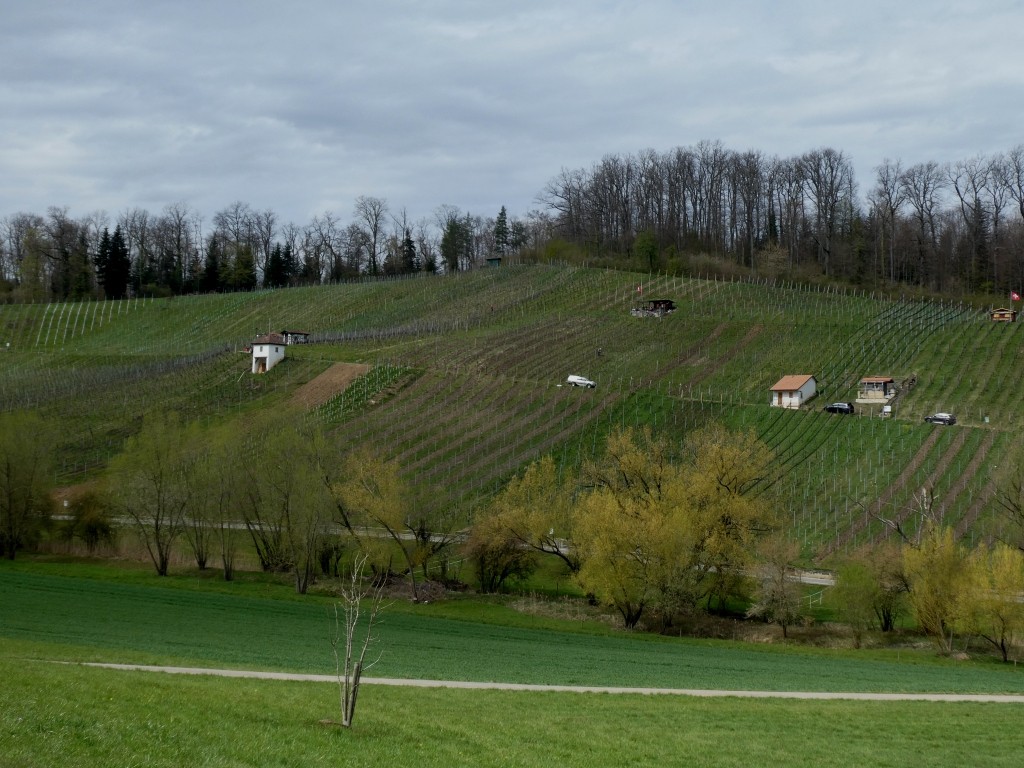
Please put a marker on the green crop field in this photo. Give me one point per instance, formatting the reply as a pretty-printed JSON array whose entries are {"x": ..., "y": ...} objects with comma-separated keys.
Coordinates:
[
  {"x": 466, "y": 381},
  {"x": 147, "y": 620},
  {"x": 56, "y": 714}
]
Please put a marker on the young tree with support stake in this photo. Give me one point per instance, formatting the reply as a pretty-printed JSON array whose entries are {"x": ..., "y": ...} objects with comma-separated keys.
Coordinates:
[{"x": 349, "y": 649}]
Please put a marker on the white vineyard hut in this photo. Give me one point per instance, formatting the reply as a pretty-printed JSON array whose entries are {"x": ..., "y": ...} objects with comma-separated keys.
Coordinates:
[
  {"x": 793, "y": 391},
  {"x": 267, "y": 351}
]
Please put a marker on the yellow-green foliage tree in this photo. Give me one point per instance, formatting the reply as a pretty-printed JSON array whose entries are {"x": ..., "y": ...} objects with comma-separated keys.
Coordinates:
[
  {"x": 497, "y": 555},
  {"x": 870, "y": 590},
  {"x": 722, "y": 470},
  {"x": 274, "y": 482},
  {"x": 25, "y": 450},
  {"x": 386, "y": 515},
  {"x": 660, "y": 535},
  {"x": 535, "y": 510},
  {"x": 991, "y": 604},
  {"x": 936, "y": 572},
  {"x": 285, "y": 502},
  {"x": 632, "y": 536},
  {"x": 854, "y": 596}
]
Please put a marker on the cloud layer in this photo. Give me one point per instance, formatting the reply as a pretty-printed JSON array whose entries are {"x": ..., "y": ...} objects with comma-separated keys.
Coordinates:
[{"x": 303, "y": 107}]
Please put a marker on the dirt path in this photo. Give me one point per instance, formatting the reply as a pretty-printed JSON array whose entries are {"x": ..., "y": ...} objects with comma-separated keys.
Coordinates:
[
  {"x": 252, "y": 674},
  {"x": 329, "y": 383}
]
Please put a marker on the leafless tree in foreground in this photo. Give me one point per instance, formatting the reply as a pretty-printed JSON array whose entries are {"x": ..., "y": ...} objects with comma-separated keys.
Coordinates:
[{"x": 349, "y": 649}]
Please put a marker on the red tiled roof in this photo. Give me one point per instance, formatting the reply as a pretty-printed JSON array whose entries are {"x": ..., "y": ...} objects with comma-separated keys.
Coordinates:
[
  {"x": 792, "y": 383},
  {"x": 270, "y": 338}
]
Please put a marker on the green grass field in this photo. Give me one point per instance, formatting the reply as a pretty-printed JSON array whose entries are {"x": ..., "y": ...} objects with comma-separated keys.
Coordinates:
[
  {"x": 140, "y": 618},
  {"x": 58, "y": 715}
]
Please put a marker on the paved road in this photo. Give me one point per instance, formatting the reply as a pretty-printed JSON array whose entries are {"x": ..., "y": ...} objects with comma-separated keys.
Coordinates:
[{"x": 996, "y": 698}]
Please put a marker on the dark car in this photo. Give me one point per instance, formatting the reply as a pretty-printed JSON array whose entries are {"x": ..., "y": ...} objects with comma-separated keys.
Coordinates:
[
  {"x": 941, "y": 418},
  {"x": 839, "y": 408}
]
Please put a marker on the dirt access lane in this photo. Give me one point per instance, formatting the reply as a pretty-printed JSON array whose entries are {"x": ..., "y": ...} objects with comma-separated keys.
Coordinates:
[
  {"x": 253, "y": 674},
  {"x": 331, "y": 382}
]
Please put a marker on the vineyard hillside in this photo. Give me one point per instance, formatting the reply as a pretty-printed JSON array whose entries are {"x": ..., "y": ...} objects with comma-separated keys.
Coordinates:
[{"x": 464, "y": 381}]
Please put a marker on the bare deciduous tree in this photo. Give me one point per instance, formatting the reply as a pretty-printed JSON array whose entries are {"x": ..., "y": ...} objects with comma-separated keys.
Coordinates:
[
  {"x": 888, "y": 197},
  {"x": 371, "y": 212},
  {"x": 922, "y": 185},
  {"x": 827, "y": 175}
]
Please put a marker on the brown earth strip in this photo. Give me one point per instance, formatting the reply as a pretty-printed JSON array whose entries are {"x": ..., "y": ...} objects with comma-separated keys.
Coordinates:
[
  {"x": 965, "y": 478},
  {"x": 974, "y": 512},
  {"x": 331, "y": 382},
  {"x": 947, "y": 458}
]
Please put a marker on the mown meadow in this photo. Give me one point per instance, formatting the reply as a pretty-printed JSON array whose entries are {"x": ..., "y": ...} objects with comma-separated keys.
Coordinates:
[{"x": 55, "y": 714}]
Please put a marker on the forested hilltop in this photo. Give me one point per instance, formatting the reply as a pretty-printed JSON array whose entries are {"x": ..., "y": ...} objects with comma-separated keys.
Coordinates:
[{"x": 952, "y": 228}]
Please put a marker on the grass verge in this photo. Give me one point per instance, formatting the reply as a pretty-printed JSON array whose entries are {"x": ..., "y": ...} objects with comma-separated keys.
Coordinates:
[{"x": 54, "y": 715}]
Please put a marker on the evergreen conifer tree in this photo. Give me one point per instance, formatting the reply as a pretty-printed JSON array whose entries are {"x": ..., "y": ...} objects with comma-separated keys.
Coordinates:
[
  {"x": 102, "y": 259},
  {"x": 501, "y": 233},
  {"x": 274, "y": 273},
  {"x": 118, "y": 267},
  {"x": 211, "y": 282},
  {"x": 409, "y": 261},
  {"x": 291, "y": 265},
  {"x": 244, "y": 273}
]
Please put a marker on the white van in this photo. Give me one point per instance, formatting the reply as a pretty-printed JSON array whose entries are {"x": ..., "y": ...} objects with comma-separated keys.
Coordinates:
[{"x": 580, "y": 381}]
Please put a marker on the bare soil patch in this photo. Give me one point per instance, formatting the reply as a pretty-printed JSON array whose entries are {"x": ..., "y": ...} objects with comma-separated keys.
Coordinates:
[{"x": 331, "y": 382}]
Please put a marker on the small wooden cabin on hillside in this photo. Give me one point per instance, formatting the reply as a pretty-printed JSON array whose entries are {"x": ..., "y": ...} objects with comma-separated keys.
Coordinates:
[
  {"x": 1003, "y": 315},
  {"x": 876, "y": 389},
  {"x": 793, "y": 391}
]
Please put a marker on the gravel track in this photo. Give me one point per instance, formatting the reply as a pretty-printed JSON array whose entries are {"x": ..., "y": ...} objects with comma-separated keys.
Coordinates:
[{"x": 704, "y": 693}]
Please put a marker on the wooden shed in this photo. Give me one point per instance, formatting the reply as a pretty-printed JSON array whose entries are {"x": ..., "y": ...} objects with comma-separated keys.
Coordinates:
[
  {"x": 876, "y": 389},
  {"x": 793, "y": 391},
  {"x": 1003, "y": 315}
]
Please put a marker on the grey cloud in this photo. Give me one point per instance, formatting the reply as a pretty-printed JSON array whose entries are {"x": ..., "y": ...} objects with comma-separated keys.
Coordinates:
[{"x": 297, "y": 107}]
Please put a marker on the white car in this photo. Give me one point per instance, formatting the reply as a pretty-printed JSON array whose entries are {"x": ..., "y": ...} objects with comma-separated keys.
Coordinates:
[{"x": 580, "y": 381}]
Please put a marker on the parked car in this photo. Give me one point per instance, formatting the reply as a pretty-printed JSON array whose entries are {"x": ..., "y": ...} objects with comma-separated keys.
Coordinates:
[
  {"x": 941, "y": 418},
  {"x": 580, "y": 381},
  {"x": 839, "y": 408}
]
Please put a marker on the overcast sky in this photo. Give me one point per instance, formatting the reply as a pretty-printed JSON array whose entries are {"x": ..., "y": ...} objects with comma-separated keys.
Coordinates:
[{"x": 301, "y": 107}]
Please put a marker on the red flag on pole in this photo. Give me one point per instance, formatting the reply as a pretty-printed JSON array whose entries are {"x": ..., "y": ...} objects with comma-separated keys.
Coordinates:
[
  {"x": 640, "y": 288},
  {"x": 1014, "y": 296}
]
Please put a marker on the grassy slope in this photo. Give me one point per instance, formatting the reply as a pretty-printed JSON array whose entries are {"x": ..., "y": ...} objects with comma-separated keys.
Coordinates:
[{"x": 470, "y": 366}]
